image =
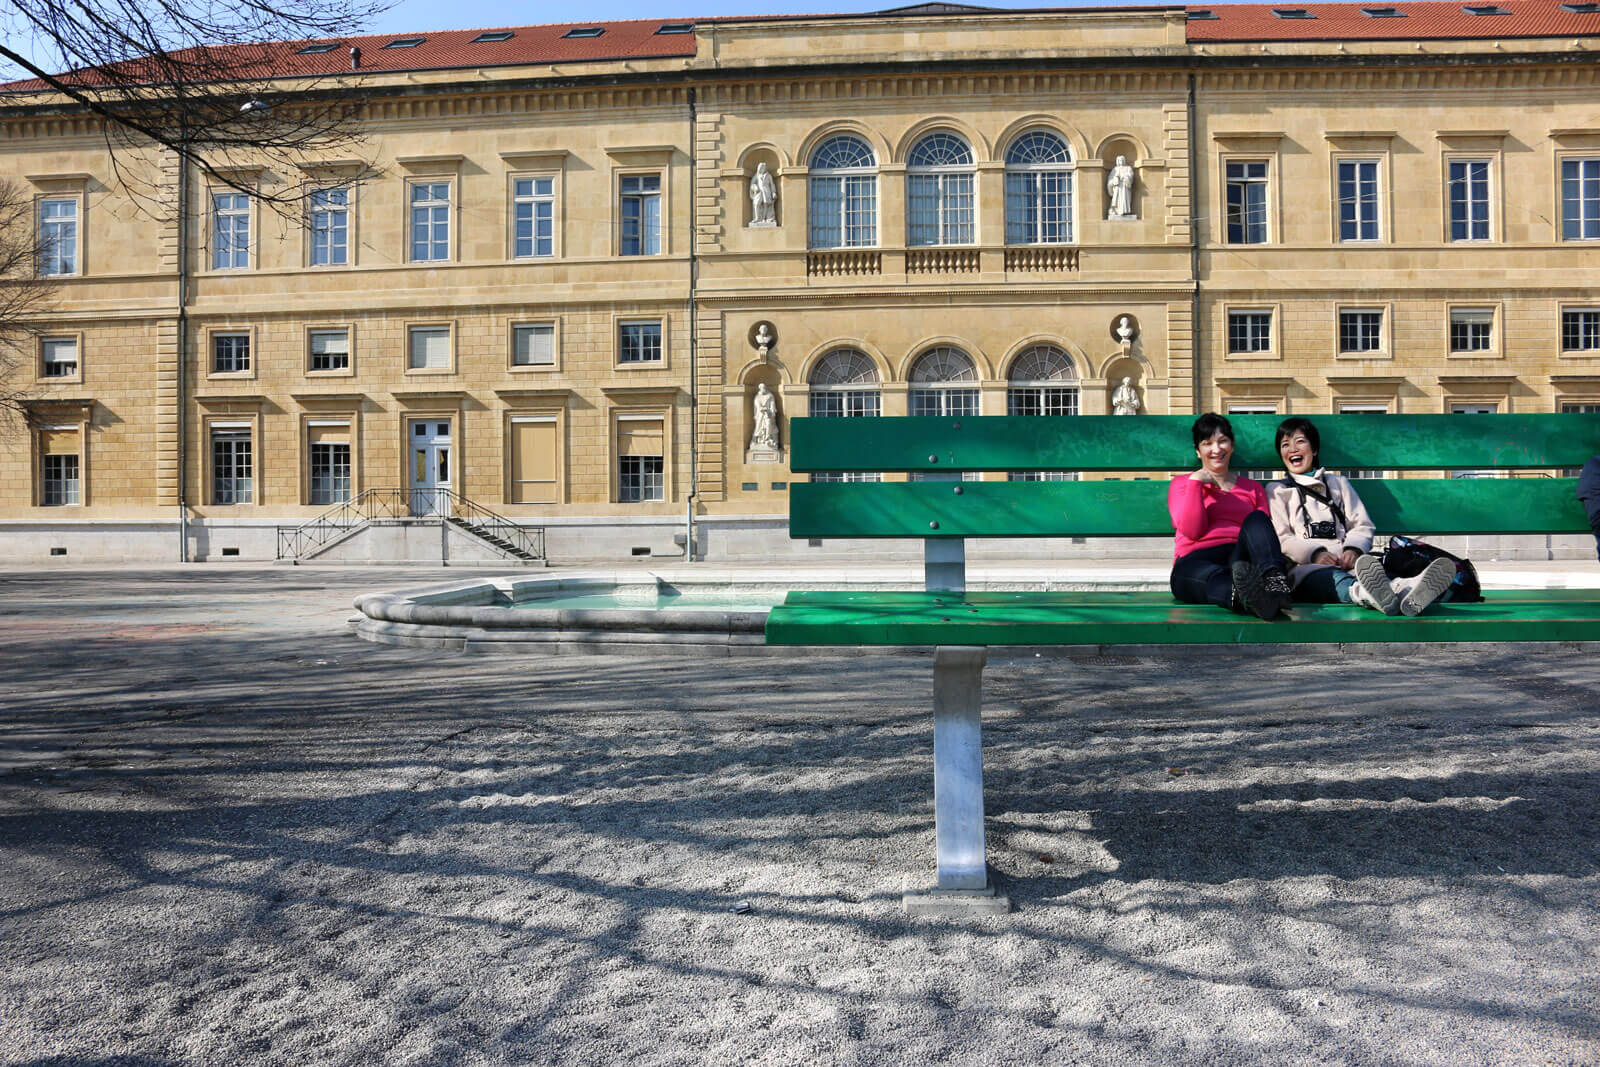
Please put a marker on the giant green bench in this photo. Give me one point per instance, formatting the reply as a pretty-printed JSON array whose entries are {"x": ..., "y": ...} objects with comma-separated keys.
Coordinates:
[{"x": 961, "y": 624}]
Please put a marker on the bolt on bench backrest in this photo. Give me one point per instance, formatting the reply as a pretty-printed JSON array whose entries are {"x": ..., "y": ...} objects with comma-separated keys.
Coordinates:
[{"x": 1161, "y": 445}]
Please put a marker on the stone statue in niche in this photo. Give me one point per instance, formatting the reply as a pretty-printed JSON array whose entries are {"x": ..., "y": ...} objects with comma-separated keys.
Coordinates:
[
  {"x": 764, "y": 426},
  {"x": 763, "y": 199},
  {"x": 1125, "y": 401},
  {"x": 1119, "y": 188}
]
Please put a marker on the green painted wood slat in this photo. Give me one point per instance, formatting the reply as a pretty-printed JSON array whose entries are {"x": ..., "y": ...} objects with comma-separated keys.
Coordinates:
[
  {"x": 1139, "y": 509},
  {"x": 1163, "y": 442},
  {"x": 832, "y": 618}
]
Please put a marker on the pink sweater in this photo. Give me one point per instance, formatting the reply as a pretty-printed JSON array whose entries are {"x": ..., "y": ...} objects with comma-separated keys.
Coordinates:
[{"x": 1204, "y": 515}]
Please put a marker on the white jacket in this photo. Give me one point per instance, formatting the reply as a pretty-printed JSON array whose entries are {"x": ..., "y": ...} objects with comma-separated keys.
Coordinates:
[{"x": 1292, "y": 517}]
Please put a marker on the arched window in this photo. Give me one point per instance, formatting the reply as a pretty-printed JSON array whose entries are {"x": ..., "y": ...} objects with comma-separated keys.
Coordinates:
[
  {"x": 939, "y": 192},
  {"x": 844, "y": 384},
  {"x": 1039, "y": 190},
  {"x": 1043, "y": 382},
  {"x": 843, "y": 194},
  {"x": 944, "y": 382}
]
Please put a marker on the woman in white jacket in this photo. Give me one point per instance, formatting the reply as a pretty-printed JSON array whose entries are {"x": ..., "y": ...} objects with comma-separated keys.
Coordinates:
[{"x": 1325, "y": 531}]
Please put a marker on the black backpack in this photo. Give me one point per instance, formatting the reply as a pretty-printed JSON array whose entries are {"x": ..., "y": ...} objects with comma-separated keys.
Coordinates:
[{"x": 1406, "y": 557}]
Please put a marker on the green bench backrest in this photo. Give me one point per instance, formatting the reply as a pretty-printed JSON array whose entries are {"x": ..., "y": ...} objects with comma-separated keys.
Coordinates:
[{"x": 1160, "y": 444}]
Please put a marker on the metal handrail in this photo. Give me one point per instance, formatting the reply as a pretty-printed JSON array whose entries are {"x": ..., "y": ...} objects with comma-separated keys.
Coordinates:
[{"x": 439, "y": 505}]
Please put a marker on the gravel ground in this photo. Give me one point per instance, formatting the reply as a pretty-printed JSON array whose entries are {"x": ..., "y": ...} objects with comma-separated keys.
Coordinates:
[{"x": 232, "y": 834}]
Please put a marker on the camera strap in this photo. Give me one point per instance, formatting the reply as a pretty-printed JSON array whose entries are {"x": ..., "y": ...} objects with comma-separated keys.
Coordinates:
[{"x": 1325, "y": 497}]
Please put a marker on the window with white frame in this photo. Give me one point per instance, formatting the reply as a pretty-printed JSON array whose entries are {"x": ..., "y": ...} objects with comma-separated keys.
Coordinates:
[
  {"x": 639, "y": 342},
  {"x": 1471, "y": 329},
  {"x": 329, "y": 211},
  {"x": 842, "y": 190},
  {"x": 533, "y": 217},
  {"x": 939, "y": 183},
  {"x": 641, "y": 214},
  {"x": 430, "y": 222},
  {"x": 230, "y": 353},
  {"x": 1043, "y": 381},
  {"x": 1580, "y": 199},
  {"x": 59, "y": 466},
  {"x": 58, "y": 236},
  {"x": 533, "y": 344},
  {"x": 1039, "y": 190},
  {"x": 1358, "y": 199},
  {"x": 1580, "y": 329},
  {"x": 328, "y": 452},
  {"x": 1469, "y": 200},
  {"x": 429, "y": 347},
  {"x": 1360, "y": 330},
  {"x": 1249, "y": 330},
  {"x": 58, "y": 357},
  {"x": 641, "y": 459},
  {"x": 330, "y": 349},
  {"x": 230, "y": 231},
  {"x": 1246, "y": 190},
  {"x": 844, "y": 384},
  {"x": 232, "y": 472}
]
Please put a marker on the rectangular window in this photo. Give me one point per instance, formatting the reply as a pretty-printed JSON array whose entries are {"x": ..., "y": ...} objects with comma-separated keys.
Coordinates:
[
  {"x": 639, "y": 342},
  {"x": 845, "y": 404},
  {"x": 641, "y": 214},
  {"x": 330, "y": 349},
  {"x": 58, "y": 467},
  {"x": 641, "y": 468},
  {"x": 1249, "y": 331},
  {"x": 1471, "y": 329},
  {"x": 1580, "y": 199},
  {"x": 1360, "y": 331},
  {"x": 430, "y": 222},
  {"x": 330, "y": 227},
  {"x": 429, "y": 347},
  {"x": 58, "y": 357},
  {"x": 1247, "y": 203},
  {"x": 533, "y": 344},
  {"x": 232, "y": 477},
  {"x": 329, "y": 452},
  {"x": 534, "y": 451},
  {"x": 1358, "y": 200},
  {"x": 230, "y": 231},
  {"x": 1580, "y": 330},
  {"x": 533, "y": 208},
  {"x": 1469, "y": 200},
  {"x": 944, "y": 402},
  {"x": 1038, "y": 207},
  {"x": 230, "y": 352},
  {"x": 58, "y": 236}
]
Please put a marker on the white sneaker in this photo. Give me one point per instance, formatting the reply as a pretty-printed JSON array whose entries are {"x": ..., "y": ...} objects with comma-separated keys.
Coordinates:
[
  {"x": 1375, "y": 583},
  {"x": 1431, "y": 584},
  {"x": 1359, "y": 595}
]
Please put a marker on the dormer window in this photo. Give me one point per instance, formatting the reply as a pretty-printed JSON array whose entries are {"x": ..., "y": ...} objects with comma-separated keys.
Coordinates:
[
  {"x": 1292, "y": 13},
  {"x": 585, "y": 31},
  {"x": 1485, "y": 9},
  {"x": 1201, "y": 14},
  {"x": 675, "y": 27},
  {"x": 405, "y": 42},
  {"x": 493, "y": 35},
  {"x": 1383, "y": 13},
  {"x": 317, "y": 49}
]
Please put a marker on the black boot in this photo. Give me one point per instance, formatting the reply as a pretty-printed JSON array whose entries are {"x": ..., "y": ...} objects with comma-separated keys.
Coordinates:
[
  {"x": 1250, "y": 591},
  {"x": 1278, "y": 588}
]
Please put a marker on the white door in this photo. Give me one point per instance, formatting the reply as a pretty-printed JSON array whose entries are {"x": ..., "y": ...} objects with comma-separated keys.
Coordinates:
[{"x": 429, "y": 465}]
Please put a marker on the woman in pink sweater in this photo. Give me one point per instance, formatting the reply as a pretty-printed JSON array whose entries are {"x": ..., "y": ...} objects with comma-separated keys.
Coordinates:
[{"x": 1227, "y": 550}]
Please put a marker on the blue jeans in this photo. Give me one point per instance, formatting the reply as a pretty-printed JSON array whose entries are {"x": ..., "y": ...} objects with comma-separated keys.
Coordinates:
[
  {"x": 1204, "y": 576},
  {"x": 1325, "y": 585}
]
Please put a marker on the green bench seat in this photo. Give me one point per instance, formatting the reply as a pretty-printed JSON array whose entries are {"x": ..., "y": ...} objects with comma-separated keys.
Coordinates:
[{"x": 1136, "y": 457}]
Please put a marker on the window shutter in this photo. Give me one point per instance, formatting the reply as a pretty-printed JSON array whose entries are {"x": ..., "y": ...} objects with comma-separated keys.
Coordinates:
[
  {"x": 430, "y": 348},
  {"x": 533, "y": 461},
  {"x": 58, "y": 442},
  {"x": 639, "y": 437}
]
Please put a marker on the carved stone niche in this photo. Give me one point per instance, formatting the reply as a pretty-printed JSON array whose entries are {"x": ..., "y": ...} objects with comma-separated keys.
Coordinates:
[
  {"x": 763, "y": 440},
  {"x": 1127, "y": 398},
  {"x": 1129, "y": 152},
  {"x": 749, "y": 213}
]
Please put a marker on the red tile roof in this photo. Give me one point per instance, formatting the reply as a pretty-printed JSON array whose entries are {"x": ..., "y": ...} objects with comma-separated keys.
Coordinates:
[{"x": 1428, "y": 19}]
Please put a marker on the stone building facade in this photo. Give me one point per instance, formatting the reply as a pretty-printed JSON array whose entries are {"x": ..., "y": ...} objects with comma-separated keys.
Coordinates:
[{"x": 547, "y": 286}]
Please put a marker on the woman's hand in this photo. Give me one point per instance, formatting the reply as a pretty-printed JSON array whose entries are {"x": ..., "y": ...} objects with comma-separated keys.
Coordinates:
[
  {"x": 1202, "y": 476},
  {"x": 1347, "y": 561}
]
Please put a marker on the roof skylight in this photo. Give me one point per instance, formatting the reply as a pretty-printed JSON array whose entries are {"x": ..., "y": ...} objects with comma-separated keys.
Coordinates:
[
  {"x": 585, "y": 31},
  {"x": 405, "y": 42},
  {"x": 1383, "y": 13},
  {"x": 676, "y": 27},
  {"x": 318, "y": 49},
  {"x": 490, "y": 36},
  {"x": 1292, "y": 13}
]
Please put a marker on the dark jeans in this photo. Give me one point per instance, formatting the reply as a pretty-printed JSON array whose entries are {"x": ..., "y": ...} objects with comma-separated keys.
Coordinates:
[
  {"x": 1589, "y": 493},
  {"x": 1204, "y": 576},
  {"x": 1325, "y": 585}
]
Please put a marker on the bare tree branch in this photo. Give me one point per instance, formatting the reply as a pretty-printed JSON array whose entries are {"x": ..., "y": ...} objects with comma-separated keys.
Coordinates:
[
  {"x": 24, "y": 297},
  {"x": 199, "y": 79}
]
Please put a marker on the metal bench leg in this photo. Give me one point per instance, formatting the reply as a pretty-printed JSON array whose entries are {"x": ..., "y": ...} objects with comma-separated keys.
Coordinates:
[{"x": 963, "y": 872}]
